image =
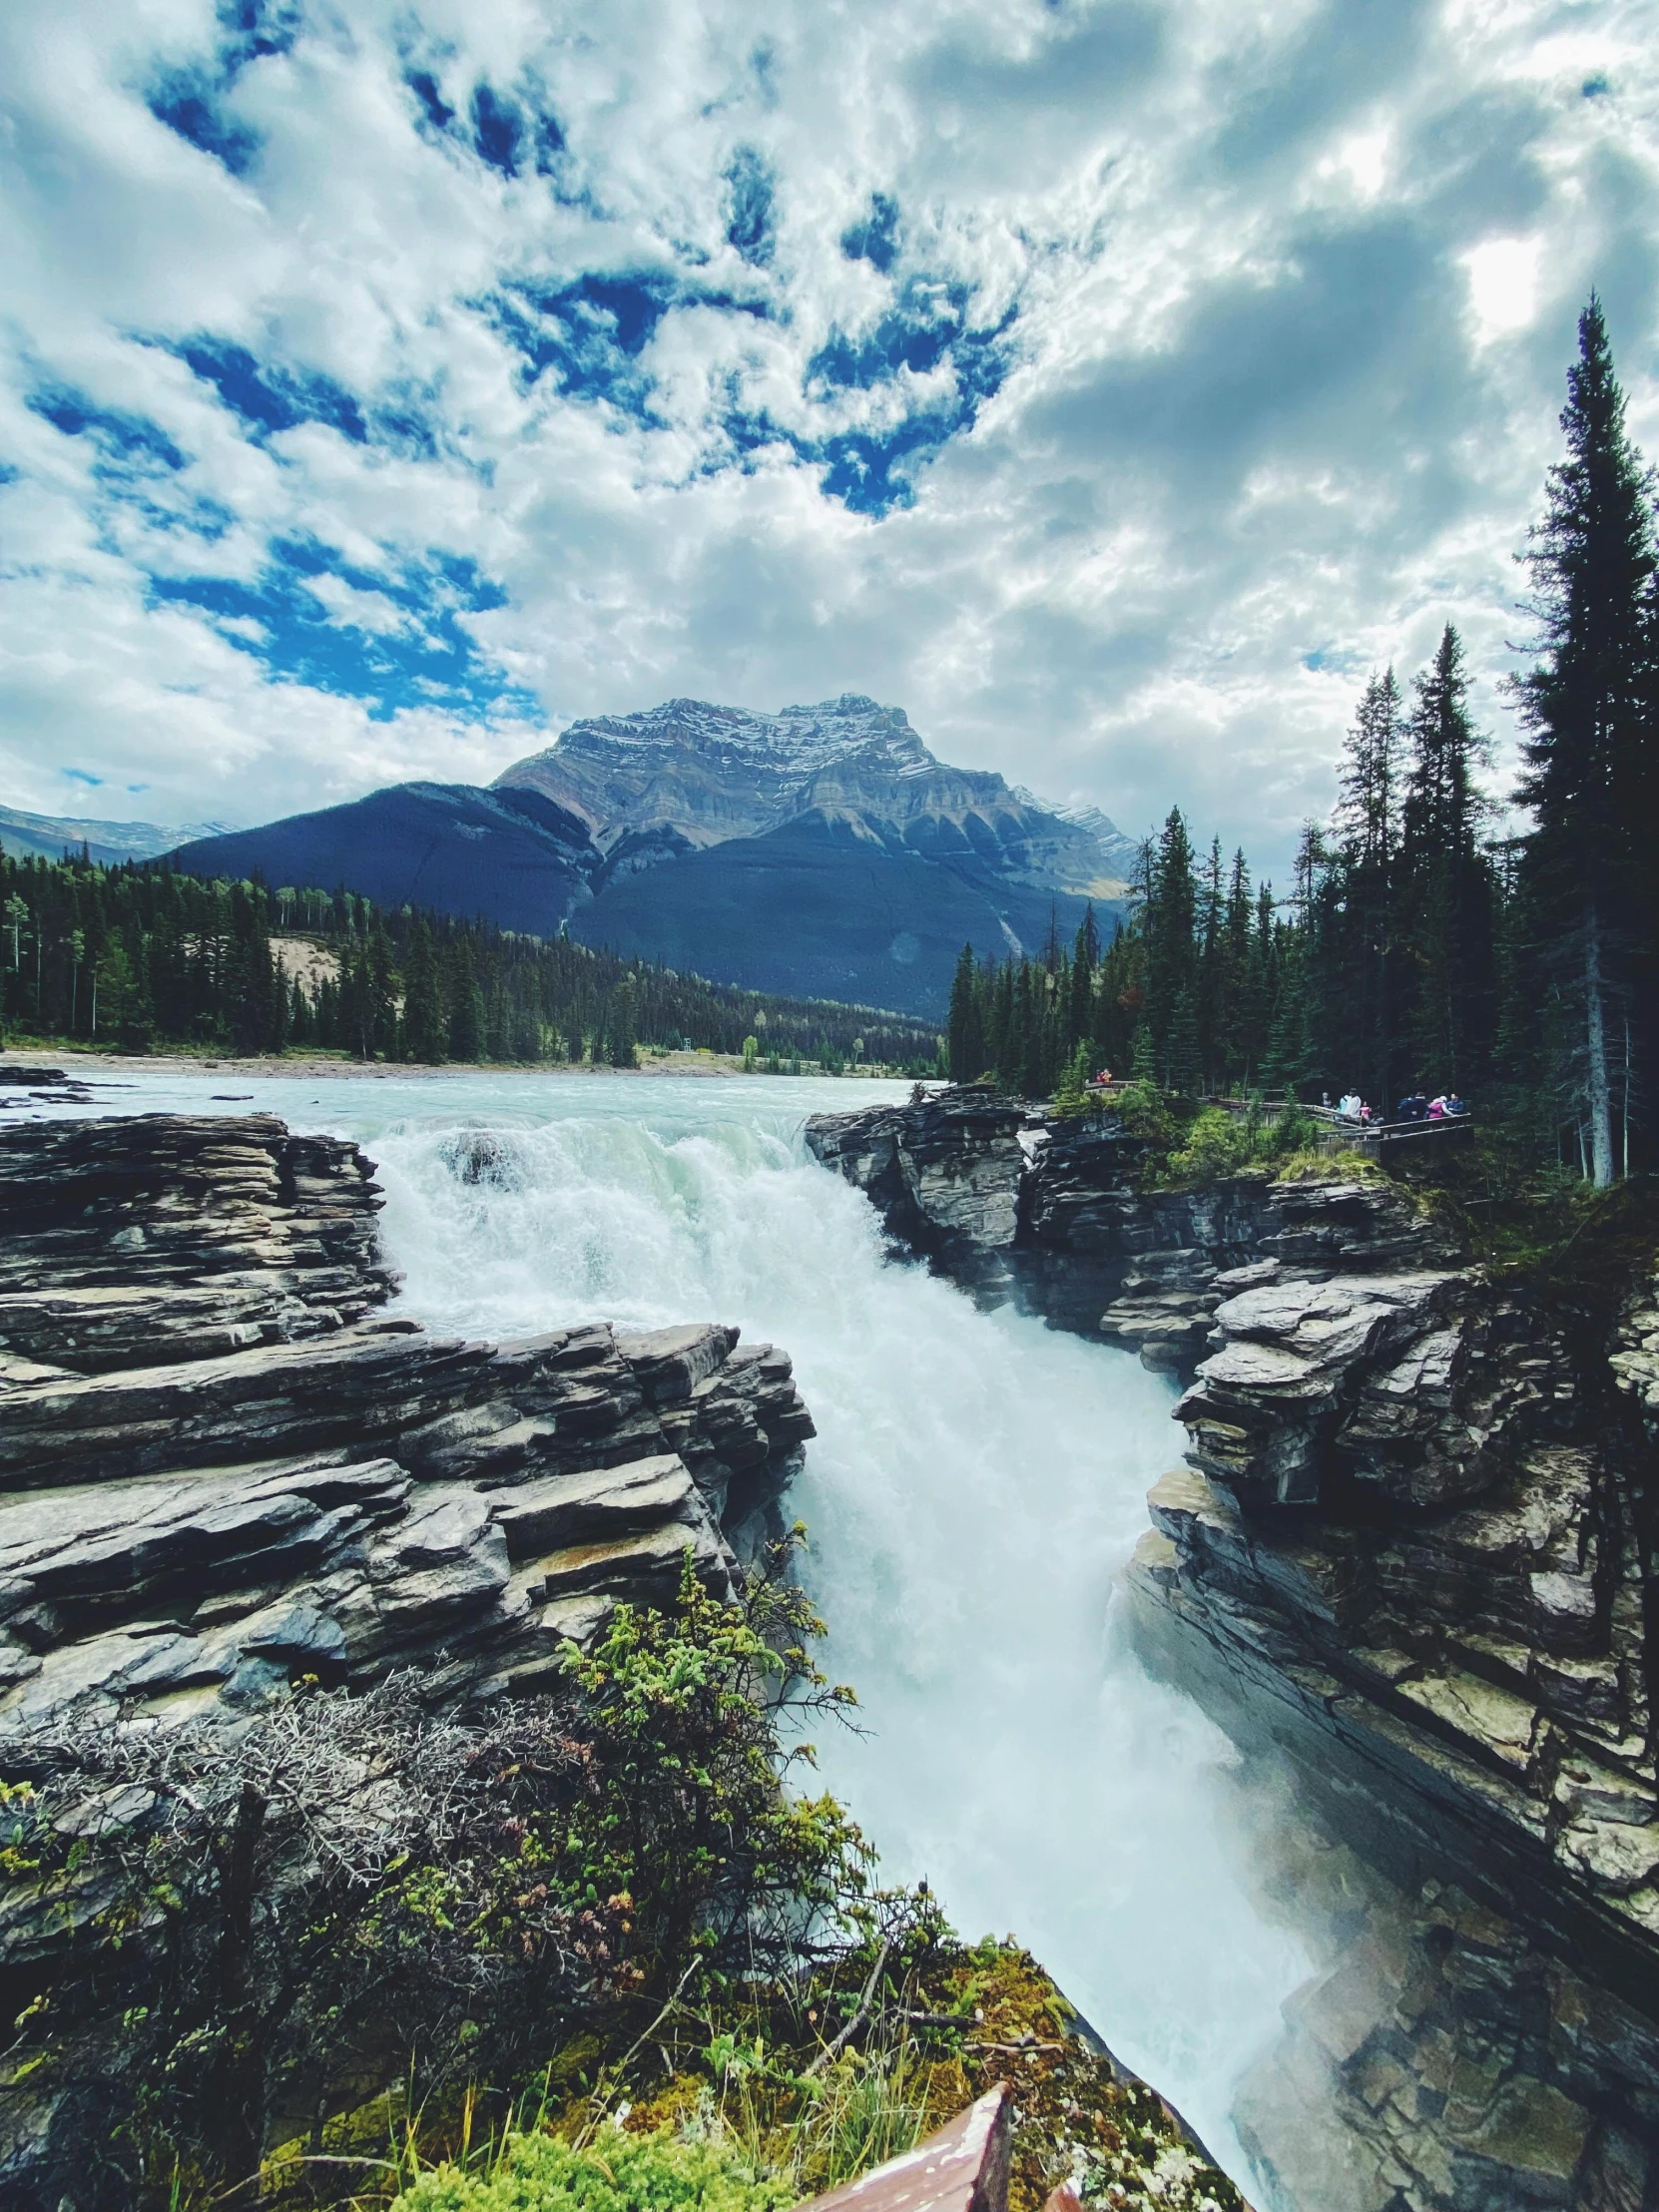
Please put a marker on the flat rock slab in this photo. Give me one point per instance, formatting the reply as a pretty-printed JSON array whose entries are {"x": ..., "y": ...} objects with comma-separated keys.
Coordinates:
[{"x": 195, "y": 1506}]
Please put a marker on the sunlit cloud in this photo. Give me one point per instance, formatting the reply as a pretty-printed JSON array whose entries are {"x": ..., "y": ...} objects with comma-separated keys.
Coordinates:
[{"x": 1111, "y": 384}]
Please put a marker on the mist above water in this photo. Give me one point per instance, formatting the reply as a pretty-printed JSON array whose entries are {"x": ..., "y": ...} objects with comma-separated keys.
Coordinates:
[{"x": 976, "y": 1483}]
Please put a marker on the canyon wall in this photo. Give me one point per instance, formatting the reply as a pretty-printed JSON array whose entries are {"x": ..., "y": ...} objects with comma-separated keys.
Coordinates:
[
  {"x": 1409, "y": 1550},
  {"x": 224, "y": 1463}
]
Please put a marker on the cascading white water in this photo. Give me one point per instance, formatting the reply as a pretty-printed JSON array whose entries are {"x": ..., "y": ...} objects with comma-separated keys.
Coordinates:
[{"x": 975, "y": 1483}]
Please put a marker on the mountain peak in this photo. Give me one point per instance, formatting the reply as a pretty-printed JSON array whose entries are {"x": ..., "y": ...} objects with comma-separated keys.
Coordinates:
[{"x": 799, "y": 738}]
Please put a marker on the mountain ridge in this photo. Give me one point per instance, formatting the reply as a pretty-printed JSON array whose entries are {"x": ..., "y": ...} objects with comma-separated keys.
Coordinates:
[
  {"x": 824, "y": 851},
  {"x": 48, "y": 837},
  {"x": 711, "y": 773}
]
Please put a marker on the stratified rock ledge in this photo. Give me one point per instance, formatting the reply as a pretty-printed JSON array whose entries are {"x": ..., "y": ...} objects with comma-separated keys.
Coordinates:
[
  {"x": 222, "y": 1466},
  {"x": 1412, "y": 1548}
]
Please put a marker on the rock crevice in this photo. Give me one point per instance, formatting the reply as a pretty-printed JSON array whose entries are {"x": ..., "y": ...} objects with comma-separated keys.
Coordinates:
[{"x": 1411, "y": 1546}]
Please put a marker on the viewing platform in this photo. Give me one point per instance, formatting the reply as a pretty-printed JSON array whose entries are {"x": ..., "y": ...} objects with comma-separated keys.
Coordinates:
[
  {"x": 1395, "y": 1140},
  {"x": 1338, "y": 1132}
]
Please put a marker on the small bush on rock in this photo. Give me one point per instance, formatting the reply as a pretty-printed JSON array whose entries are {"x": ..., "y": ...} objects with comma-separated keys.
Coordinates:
[
  {"x": 218, "y": 1931},
  {"x": 616, "y": 2172},
  {"x": 1144, "y": 1112}
]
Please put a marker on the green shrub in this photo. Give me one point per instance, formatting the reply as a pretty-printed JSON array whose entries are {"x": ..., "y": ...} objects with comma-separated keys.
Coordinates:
[
  {"x": 1072, "y": 1096},
  {"x": 1144, "y": 1113},
  {"x": 1294, "y": 1131},
  {"x": 1218, "y": 1142},
  {"x": 350, "y": 1874},
  {"x": 616, "y": 2172}
]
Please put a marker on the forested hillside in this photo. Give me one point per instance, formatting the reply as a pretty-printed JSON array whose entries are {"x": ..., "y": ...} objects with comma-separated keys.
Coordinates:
[
  {"x": 1417, "y": 948},
  {"x": 132, "y": 956}
]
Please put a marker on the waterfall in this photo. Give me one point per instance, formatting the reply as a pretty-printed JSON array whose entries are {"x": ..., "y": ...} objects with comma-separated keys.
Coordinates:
[{"x": 975, "y": 1483}]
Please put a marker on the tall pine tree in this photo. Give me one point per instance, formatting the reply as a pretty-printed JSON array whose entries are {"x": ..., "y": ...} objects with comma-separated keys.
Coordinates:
[
  {"x": 1588, "y": 750},
  {"x": 965, "y": 1030},
  {"x": 1447, "y": 887}
]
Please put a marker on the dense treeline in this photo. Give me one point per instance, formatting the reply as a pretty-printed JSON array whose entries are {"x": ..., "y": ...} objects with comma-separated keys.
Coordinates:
[
  {"x": 132, "y": 957},
  {"x": 1416, "y": 949}
]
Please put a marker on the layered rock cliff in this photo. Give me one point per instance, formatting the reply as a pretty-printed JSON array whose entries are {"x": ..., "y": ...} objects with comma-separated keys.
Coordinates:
[
  {"x": 223, "y": 1463},
  {"x": 1411, "y": 1546}
]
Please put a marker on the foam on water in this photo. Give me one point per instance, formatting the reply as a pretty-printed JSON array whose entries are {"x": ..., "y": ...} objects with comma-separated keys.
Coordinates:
[{"x": 976, "y": 1483}]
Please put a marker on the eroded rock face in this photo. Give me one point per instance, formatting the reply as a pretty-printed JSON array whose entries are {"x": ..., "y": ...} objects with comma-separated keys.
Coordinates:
[
  {"x": 945, "y": 1178},
  {"x": 1412, "y": 1548},
  {"x": 1440, "y": 2056},
  {"x": 221, "y": 1465}
]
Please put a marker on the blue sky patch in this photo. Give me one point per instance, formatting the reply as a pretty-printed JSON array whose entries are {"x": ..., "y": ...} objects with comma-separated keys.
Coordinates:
[
  {"x": 750, "y": 226},
  {"x": 190, "y": 99},
  {"x": 189, "y": 102},
  {"x": 874, "y": 238},
  {"x": 135, "y": 469},
  {"x": 927, "y": 324},
  {"x": 133, "y": 440},
  {"x": 393, "y": 640},
  {"x": 925, "y": 328},
  {"x": 435, "y": 109},
  {"x": 268, "y": 396},
  {"x": 511, "y": 133},
  {"x": 497, "y": 131},
  {"x": 592, "y": 330},
  {"x": 249, "y": 30}
]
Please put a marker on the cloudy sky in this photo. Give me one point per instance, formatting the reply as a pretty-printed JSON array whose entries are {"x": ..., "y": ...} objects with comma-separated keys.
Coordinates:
[{"x": 1111, "y": 385}]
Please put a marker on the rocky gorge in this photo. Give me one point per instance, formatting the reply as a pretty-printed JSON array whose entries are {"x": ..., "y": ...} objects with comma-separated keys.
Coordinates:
[
  {"x": 232, "y": 1465},
  {"x": 225, "y": 1469},
  {"x": 222, "y": 1461},
  {"x": 1407, "y": 1563}
]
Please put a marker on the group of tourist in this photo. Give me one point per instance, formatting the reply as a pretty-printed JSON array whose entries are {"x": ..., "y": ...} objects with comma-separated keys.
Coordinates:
[{"x": 1415, "y": 1106}]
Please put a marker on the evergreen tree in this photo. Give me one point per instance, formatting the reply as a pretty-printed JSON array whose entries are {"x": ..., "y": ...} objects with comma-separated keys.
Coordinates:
[
  {"x": 1447, "y": 885},
  {"x": 1085, "y": 960},
  {"x": 425, "y": 1028},
  {"x": 1071, "y": 1095},
  {"x": 1235, "y": 1038},
  {"x": 967, "y": 1025},
  {"x": 248, "y": 972},
  {"x": 1589, "y": 763},
  {"x": 1365, "y": 959},
  {"x": 622, "y": 1027},
  {"x": 1211, "y": 1012},
  {"x": 1182, "y": 1058},
  {"x": 1168, "y": 923},
  {"x": 1367, "y": 814},
  {"x": 466, "y": 1005}
]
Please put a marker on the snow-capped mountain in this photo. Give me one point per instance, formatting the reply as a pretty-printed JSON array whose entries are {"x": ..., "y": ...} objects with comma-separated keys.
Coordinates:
[
  {"x": 1118, "y": 852},
  {"x": 821, "y": 850},
  {"x": 691, "y": 775}
]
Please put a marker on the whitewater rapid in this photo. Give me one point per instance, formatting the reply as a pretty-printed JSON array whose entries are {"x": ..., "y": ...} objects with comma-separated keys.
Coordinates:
[{"x": 976, "y": 1483}]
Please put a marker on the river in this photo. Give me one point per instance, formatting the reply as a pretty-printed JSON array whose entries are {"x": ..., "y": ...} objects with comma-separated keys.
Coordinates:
[{"x": 975, "y": 1483}]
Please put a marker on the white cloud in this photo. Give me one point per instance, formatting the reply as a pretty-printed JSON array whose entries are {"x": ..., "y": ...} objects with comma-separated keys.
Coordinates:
[
  {"x": 1291, "y": 295},
  {"x": 354, "y": 609},
  {"x": 1503, "y": 285}
]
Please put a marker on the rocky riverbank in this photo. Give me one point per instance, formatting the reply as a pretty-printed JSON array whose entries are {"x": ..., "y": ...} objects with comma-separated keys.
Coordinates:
[
  {"x": 1410, "y": 1547},
  {"x": 227, "y": 1467},
  {"x": 222, "y": 1462}
]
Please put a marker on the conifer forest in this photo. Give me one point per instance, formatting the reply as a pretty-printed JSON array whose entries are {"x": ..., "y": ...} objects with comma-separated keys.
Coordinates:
[
  {"x": 137, "y": 956},
  {"x": 1417, "y": 948}
]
